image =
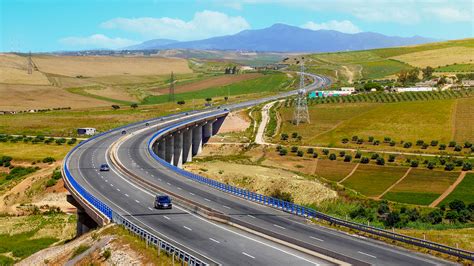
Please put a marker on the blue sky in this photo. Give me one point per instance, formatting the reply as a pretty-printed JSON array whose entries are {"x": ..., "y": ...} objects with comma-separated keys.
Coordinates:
[{"x": 51, "y": 25}]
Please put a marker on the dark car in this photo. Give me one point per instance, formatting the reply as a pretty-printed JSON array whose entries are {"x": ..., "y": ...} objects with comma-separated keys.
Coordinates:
[
  {"x": 124, "y": 132},
  {"x": 104, "y": 167},
  {"x": 163, "y": 202},
  {"x": 147, "y": 124}
]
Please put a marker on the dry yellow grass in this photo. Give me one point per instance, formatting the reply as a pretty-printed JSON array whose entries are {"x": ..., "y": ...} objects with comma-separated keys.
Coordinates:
[
  {"x": 438, "y": 57},
  {"x": 265, "y": 180},
  {"x": 94, "y": 66},
  {"x": 25, "y": 97},
  {"x": 13, "y": 70},
  {"x": 113, "y": 93}
]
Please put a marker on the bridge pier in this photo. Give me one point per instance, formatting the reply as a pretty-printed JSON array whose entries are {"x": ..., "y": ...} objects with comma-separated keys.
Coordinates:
[
  {"x": 188, "y": 145},
  {"x": 207, "y": 132},
  {"x": 197, "y": 140},
  {"x": 178, "y": 149},
  {"x": 169, "y": 149},
  {"x": 217, "y": 125},
  {"x": 84, "y": 222},
  {"x": 161, "y": 149}
]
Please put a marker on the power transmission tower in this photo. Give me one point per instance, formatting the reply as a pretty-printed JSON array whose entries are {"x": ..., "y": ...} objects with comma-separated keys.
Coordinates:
[
  {"x": 301, "y": 114},
  {"x": 30, "y": 64},
  {"x": 171, "y": 93}
]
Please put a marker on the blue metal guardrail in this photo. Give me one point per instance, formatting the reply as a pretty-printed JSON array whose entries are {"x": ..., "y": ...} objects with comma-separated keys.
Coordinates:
[
  {"x": 301, "y": 210},
  {"x": 117, "y": 218}
]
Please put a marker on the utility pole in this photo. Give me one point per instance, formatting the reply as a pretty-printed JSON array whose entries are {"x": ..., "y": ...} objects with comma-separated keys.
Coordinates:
[
  {"x": 301, "y": 113},
  {"x": 30, "y": 64},
  {"x": 171, "y": 92}
]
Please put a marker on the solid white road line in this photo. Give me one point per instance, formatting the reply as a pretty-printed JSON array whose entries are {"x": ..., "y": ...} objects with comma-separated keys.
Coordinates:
[
  {"x": 248, "y": 255},
  {"x": 137, "y": 201},
  {"x": 187, "y": 228},
  {"x": 127, "y": 195},
  {"x": 281, "y": 227},
  {"x": 372, "y": 256},
  {"x": 206, "y": 199},
  {"x": 213, "y": 240},
  {"x": 166, "y": 217},
  {"x": 315, "y": 238},
  {"x": 227, "y": 207},
  {"x": 251, "y": 216}
]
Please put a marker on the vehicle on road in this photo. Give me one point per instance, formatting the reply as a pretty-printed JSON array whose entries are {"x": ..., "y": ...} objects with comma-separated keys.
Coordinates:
[
  {"x": 163, "y": 202},
  {"x": 147, "y": 124},
  {"x": 124, "y": 132},
  {"x": 104, "y": 167}
]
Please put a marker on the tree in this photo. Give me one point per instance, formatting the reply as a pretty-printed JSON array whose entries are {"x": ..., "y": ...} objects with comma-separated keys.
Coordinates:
[
  {"x": 449, "y": 167},
  {"x": 457, "y": 148},
  {"x": 457, "y": 205},
  {"x": 310, "y": 151},
  {"x": 393, "y": 218},
  {"x": 181, "y": 102},
  {"x": 452, "y": 144},
  {"x": 371, "y": 139},
  {"x": 325, "y": 151},
  {"x": 315, "y": 155},
  {"x": 284, "y": 136},
  {"x": 434, "y": 143},
  {"x": 374, "y": 156},
  {"x": 380, "y": 161},
  {"x": 467, "y": 166},
  {"x": 452, "y": 215},
  {"x": 115, "y": 107},
  {"x": 347, "y": 158},
  {"x": 300, "y": 153},
  {"x": 364, "y": 160},
  {"x": 414, "y": 163},
  {"x": 402, "y": 76},
  {"x": 467, "y": 145},
  {"x": 332, "y": 156},
  {"x": 342, "y": 153},
  {"x": 283, "y": 152},
  {"x": 391, "y": 158},
  {"x": 226, "y": 98},
  {"x": 413, "y": 75},
  {"x": 294, "y": 135},
  {"x": 355, "y": 138},
  {"x": 208, "y": 99},
  {"x": 345, "y": 140},
  {"x": 442, "y": 147},
  {"x": 430, "y": 165},
  {"x": 294, "y": 149},
  {"x": 358, "y": 154},
  {"x": 383, "y": 208},
  {"x": 427, "y": 72},
  {"x": 392, "y": 143},
  {"x": 419, "y": 142},
  {"x": 134, "y": 105},
  {"x": 435, "y": 217}
]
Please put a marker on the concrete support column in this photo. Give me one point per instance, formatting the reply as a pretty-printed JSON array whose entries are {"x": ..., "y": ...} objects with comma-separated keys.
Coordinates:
[
  {"x": 207, "y": 132},
  {"x": 197, "y": 140},
  {"x": 217, "y": 125},
  {"x": 169, "y": 151},
  {"x": 161, "y": 148},
  {"x": 178, "y": 149},
  {"x": 84, "y": 222},
  {"x": 188, "y": 145}
]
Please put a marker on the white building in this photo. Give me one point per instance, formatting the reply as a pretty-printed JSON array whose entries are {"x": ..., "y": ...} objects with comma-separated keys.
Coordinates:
[
  {"x": 416, "y": 89},
  {"x": 349, "y": 89},
  {"x": 86, "y": 131}
]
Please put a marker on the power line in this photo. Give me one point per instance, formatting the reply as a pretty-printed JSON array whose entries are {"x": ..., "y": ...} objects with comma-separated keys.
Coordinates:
[{"x": 301, "y": 113}]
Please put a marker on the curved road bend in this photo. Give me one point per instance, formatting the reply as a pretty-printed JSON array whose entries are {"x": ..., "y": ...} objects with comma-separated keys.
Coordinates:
[
  {"x": 223, "y": 244},
  {"x": 133, "y": 154}
]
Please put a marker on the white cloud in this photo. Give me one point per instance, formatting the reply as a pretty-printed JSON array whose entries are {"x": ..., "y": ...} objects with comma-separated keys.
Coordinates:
[
  {"x": 342, "y": 26},
  {"x": 96, "y": 41},
  {"x": 204, "y": 24},
  {"x": 450, "y": 14}
]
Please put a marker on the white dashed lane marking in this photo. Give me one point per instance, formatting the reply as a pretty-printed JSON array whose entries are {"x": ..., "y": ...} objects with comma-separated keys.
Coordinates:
[
  {"x": 213, "y": 240},
  {"x": 248, "y": 255},
  {"x": 372, "y": 256}
]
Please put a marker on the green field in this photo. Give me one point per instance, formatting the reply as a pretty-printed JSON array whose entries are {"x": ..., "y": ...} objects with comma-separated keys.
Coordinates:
[
  {"x": 372, "y": 180},
  {"x": 421, "y": 186},
  {"x": 464, "y": 191},
  {"x": 407, "y": 121},
  {"x": 456, "y": 68},
  {"x": 274, "y": 82},
  {"x": 333, "y": 170}
]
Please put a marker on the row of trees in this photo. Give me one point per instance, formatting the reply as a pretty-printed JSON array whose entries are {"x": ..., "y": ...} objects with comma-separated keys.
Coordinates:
[{"x": 37, "y": 139}]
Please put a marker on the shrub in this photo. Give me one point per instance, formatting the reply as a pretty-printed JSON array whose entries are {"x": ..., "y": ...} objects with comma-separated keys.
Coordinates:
[
  {"x": 358, "y": 155},
  {"x": 106, "y": 254},
  {"x": 49, "y": 160},
  {"x": 458, "y": 162},
  {"x": 380, "y": 161},
  {"x": 347, "y": 158},
  {"x": 294, "y": 134},
  {"x": 442, "y": 147},
  {"x": 419, "y": 142},
  {"x": 407, "y": 145},
  {"x": 391, "y": 158},
  {"x": 134, "y": 105},
  {"x": 386, "y": 139},
  {"x": 442, "y": 161},
  {"x": 467, "y": 145},
  {"x": 434, "y": 143},
  {"x": 315, "y": 155},
  {"x": 449, "y": 167},
  {"x": 299, "y": 137},
  {"x": 457, "y": 148},
  {"x": 279, "y": 147},
  {"x": 364, "y": 160},
  {"x": 115, "y": 107},
  {"x": 414, "y": 163},
  {"x": 300, "y": 153},
  {"x": 342, "y": 153},
  {"x": 282, "y": 195},
  {"x": 360, "y": 141},
  {"x": 310, "y": 151},
  {"x": 425, "y": 146},
  {"x": 284, "y": 136},
  {"x": 371, "y": 139},
  {"x": 345, "y": 140},
  {"x": 435, "y": 217},
  {"x": 355, "y": 138},
  {"x": 181, "y": 102},
  {"x": 51, "y": 182},
  {"x": 374, "y": 156},
  {"x": 283, "y": 152},
  {"x": 325, "y": 151},
  {"x": 56, "y": 175},
  {"x": 430, "y": 165},
  {"x": 452, "y": 144},
  {"x": 467, "y": 166},
  {"x": 376, "y": 142},
  {"x": 392, "y": 143},
  {"x": 71, "y": 141},
  {"x": 294, "y": 149},
  {"x": 332, "y": 156}
]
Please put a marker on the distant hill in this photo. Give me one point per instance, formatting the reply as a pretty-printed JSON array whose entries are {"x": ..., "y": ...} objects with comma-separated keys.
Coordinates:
[
  {"x": 151, "y": 44},
  {"x": 285, "y": 38}
]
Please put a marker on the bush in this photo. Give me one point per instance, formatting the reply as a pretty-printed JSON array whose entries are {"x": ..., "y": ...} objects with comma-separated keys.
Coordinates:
[
  {"x": 452, "y": 144},
  {"x": 282, "y": 195},
  {"x": 72, "y": 141},
  {"x": 310, "y": 151},
  {"x": 342, "y": 153},
  {"x": 315, "y": 155},
  {"x": 49, "y": 160},
  {"x": 430, "y": 165},
  {"x": 134, "y": 105},
  {"x": 294, "y": 135},
  {"x": 355, "y": 138},
  {"x": 434, "y": 143},
  {"x": 387, "y": 139},
  {"x": 419, "y": 142},
  {"x": 325, "y": 151},
  {"x": 449, "y": 167},
  {"x": 391, "y": 158},
  {"x": 51, "y": 182},
  {"x": 56, "y": 175},
  {"x": 425, "y": 146},
  {"x": 279, "y": 147},
  {"x": 457, "y": 148},
  {"x": 435, "y": 217},
  {"x": 371, "y": 139},
  {"x": 407, "y": 145},
  {"x": 347, "y": 158},
  {"x": 360, "y": 141},
  {"x": 467, "y": 145},
  {"x": 442, "y": 147},
  {"x": 300, "y": 153},
  {"x": 106, "y": 254},
  {"x": 364, "y": 160},
  {"x": 294, "y": 149},
  {"x": 332, "y": 156},
  {"x": 392, "y": 143},
  {"x": 376, "y": 142},
  {"x": 284, "y": 136},
  {"x": 345, "y": 140},
  {"x": 115, "y": 107},
  {"x": 457, "y": 205},
  {"x": 380, "y": 161},
  {"x": 374, "y": 156},
  {"x": 358, "y": 155},
  {"x": 181, "y": 102},
  {"x": 283, "y": 152},
  {"x": 414, "y": 163}
]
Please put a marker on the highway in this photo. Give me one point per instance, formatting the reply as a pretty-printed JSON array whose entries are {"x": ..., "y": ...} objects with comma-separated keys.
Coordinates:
[{"x": 218, "y": 242}]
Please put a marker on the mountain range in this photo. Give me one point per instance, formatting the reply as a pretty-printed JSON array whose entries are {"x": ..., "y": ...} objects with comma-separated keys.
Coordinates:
[{"x": 286, "y": 38}]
